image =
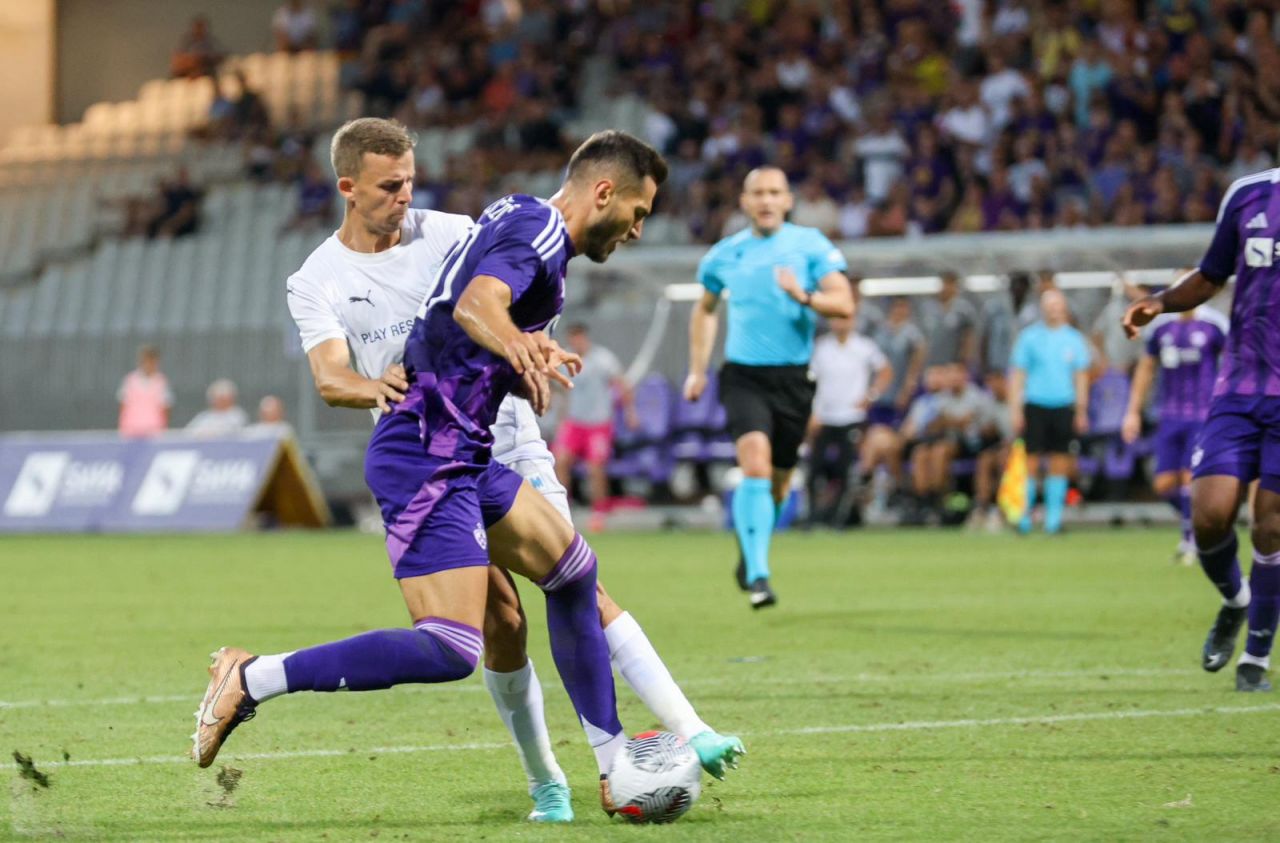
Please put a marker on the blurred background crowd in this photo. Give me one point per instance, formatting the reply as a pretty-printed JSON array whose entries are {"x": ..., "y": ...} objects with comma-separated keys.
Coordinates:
[{"x": 891, "y": 116}]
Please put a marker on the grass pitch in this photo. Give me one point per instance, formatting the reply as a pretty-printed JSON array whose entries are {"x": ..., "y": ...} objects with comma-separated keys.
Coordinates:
[{"x": 909, "y": 685}]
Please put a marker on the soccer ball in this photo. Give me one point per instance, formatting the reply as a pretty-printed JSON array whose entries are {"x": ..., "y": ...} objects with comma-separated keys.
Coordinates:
[{"x": 655, "y": 778}]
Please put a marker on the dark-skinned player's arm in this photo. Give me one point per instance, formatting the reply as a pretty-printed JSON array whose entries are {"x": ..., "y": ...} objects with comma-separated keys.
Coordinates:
[
  {"x": 1191, "y": 290},
  {"x": 483, "y": 312},
  {"x": 1199, "y": 285},
  {"x": 341, "y": 386}
]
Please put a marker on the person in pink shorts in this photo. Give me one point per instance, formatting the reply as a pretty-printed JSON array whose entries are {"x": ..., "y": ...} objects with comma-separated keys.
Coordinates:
[{"x": 586, "y": 429}]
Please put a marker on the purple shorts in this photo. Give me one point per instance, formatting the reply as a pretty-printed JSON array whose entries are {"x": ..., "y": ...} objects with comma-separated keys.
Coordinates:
[
  {"x": 885, "y": 414},
  {"x": 1241, "y": 439},
  {"x": 1175, "y": 440},
  {"x": 435, "y": 509}
]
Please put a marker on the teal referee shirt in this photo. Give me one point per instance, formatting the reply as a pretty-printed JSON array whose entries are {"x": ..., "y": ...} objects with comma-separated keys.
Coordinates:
[{"x": 766, "y": 326}]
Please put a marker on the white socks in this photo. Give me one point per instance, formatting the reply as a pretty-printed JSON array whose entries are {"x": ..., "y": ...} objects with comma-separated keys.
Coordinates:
[
  {"x": 518, "y": 696},
  {"x": 634, "y": 657},
  {"x": 264, "y": 677}
]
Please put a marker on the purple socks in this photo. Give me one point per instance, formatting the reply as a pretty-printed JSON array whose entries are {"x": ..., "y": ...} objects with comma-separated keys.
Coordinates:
[
  {"x": 435, "y": 650},
  {"x": 1221, "y": 565},
  {"x": 578, "y": 643},
  {"x": 1264, "y": 606}
]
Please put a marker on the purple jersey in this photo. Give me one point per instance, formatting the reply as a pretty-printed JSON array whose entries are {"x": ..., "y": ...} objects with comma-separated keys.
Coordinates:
[
  {"x": 1245, "y": 244},
  {"x": 456, "y": 385},
  {"x": 1187, "y": 350}
]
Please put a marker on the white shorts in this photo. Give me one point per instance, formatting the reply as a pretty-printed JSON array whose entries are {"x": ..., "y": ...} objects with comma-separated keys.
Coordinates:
[
  {"x": 518, "y": 444},
  {"x": 540, "y": 471}
]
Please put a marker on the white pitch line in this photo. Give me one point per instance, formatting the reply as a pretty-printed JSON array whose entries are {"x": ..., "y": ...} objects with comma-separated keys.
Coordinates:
[
  {"x": 907, "y": 726},
  {"x": 193, "y": 695},
  {"x": 1024, "y": 721}
]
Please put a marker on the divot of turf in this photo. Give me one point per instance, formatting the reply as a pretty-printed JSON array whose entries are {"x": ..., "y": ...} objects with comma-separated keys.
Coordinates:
[{"x": 27, "y": 770}]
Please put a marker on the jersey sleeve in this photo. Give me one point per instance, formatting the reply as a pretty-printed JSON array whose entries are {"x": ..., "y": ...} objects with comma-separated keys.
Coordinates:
[
  {"x": 519, "y": 247},
  {"x": 824, "y": 258},
  {"x": 1084, "y": 359},
  {"x": 1021, "y": 357},
  {"x": 708, "y": 273},
  {"x": 1219, "y": 260},
  {"x": 612, "y": 365},
  {"x": 316, "y": 319}
]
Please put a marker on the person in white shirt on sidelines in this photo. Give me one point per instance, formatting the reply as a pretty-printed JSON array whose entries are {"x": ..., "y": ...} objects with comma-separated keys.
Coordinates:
[
  {"x": 354, "y": 301},
  {"x": 851, "y": 373},
  {"x": 224, "y": 415}
]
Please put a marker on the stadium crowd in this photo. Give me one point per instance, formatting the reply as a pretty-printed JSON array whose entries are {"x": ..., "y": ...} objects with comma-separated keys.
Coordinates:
[{"x": 890, "y": 116}]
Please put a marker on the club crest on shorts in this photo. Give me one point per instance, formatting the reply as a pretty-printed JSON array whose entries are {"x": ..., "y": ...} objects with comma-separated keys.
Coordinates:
[{"x": 482, "y": 538}]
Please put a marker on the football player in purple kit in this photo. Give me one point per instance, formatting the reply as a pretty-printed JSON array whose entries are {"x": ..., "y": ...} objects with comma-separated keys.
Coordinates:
[
  {"x": 1240, "y": 439},
  {"x": 1183, "y": 350},
  {"x": 478, "y": 336}
]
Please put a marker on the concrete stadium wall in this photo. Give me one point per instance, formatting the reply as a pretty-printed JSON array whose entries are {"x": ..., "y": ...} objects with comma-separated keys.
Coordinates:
[
  {"x": 27, "y": 40},
  {"x": 106, "y": 50}
]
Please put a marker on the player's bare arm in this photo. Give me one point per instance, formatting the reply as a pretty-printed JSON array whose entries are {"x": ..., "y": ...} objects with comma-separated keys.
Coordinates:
[
  {"x": 1082, "y": 401},
  {"x": 1143, "y": 375},
  {"x": 1017, "y": 392},
  {"x": 703, "y": 323},
  {"x": 834, "y": 296},
  {"x": 880, "y": 386},
  {"x": 483, "y": 313},
  {"x": 341, "y": 386},
  {"x": 1191, "y": 291},
  {"x": 915, "y": 368}
]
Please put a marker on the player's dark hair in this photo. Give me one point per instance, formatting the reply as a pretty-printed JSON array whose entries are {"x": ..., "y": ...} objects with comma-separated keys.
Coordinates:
[
  {"x": 629, "y": 155},
  {"x": 367, "y": 134}
]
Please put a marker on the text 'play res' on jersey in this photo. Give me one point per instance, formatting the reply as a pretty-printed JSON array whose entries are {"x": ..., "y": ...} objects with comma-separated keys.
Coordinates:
[{"x": 371, "y": 299}]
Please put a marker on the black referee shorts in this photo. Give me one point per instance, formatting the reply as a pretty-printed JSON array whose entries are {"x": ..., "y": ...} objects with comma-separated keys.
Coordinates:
[
  {"x": 1050, "y": 430},
  {"x": 773, "y": 400}
]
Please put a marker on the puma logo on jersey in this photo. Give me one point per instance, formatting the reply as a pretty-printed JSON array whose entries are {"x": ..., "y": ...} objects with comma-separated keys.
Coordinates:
[{"x": 366, "y": 298}]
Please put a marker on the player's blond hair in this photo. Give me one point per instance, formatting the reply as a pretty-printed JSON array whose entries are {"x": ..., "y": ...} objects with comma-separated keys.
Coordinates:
[{"x": 367, "y": 134}]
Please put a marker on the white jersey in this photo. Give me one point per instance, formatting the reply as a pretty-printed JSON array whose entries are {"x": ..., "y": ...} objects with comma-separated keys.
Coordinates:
[
  {"x": 371, "y": 299},
  {"x": 844, "y": 372}
]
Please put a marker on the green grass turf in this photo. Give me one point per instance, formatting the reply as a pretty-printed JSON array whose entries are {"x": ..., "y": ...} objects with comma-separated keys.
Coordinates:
[{"x": 875, "y": 628}]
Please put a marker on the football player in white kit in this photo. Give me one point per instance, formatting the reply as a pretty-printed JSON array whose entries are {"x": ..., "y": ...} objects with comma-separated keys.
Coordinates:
[{"x": 354, "y": 301}]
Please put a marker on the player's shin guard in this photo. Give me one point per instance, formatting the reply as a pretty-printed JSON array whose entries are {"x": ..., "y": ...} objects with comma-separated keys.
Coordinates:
[
  {"x": 1264, "y": 608},
  {"x": 753, "y": 510},
  {"x": 435, "y": 650},
  {"x": 1222, "y": 566},
  {"x": 580, "y": 650}
]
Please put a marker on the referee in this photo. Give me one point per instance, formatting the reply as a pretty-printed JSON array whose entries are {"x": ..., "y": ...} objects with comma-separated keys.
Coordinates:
[
  {"x": 1049, "y": 401},
  {"x": 780, "y": 277}
]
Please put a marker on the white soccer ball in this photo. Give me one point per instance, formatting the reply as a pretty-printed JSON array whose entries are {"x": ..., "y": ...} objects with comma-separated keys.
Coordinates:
[{"x": 655, "y": 778}]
